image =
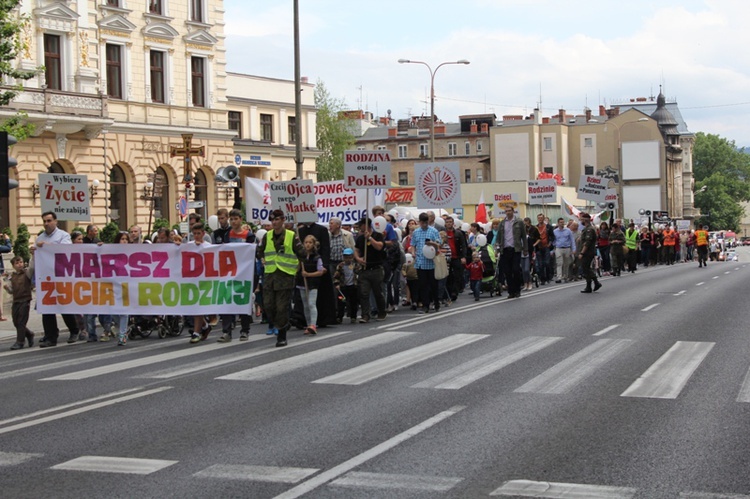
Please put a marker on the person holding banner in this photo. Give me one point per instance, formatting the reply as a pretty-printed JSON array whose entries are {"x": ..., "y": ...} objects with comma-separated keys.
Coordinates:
[
  {"x": 234, "y": 233},
  {"x": 201, "y": 329},
  {"x": 279, "y": 251},
  {"x": 53, "y": 235},
  {"x": 369, "y": 251}
]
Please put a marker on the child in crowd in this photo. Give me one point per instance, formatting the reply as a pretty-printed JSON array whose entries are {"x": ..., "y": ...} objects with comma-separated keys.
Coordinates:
[
  {"x": 345, "y": 280},
  {"x": 201, "y": 329},
  {"x": 308, "y": 277},
  {"x": 476, "y": 272},
  {"x": 20, "y": 287},
  {"x": 410, "y": 273}
]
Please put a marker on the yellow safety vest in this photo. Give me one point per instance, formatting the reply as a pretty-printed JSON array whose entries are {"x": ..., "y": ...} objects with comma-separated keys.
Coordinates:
[
  {"x": 631, "y": 240},
  {"x": 287, "y": 261}
]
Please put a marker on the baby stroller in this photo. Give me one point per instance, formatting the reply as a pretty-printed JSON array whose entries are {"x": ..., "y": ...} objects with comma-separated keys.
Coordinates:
[
  {"x": 489, "y": 282},
  {"x": 143, "y": 325}
]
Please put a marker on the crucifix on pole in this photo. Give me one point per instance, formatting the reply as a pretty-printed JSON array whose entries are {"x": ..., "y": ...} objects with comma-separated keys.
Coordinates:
[{"x": 187, "y": 151}]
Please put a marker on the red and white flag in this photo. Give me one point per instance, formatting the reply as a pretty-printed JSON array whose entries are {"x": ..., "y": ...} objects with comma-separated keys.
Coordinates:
[{"x": 481, "y": 216}]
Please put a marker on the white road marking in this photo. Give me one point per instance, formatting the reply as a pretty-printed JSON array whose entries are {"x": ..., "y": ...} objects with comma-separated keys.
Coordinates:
[
  {"x": 273, "y": 474},
  {"x": 736, "y": 268},
  {"x": 360, "y": 459},
  {"x": 15, "y": 458},
  {"x": 67, "y": 406},
  {"x": 650, "y": 307},
  {"x": 667, "y": 377},
  {"x": 372, "y": 370},
  {"x": 391, "y": 481},
  {"x": 680, "y": 293},
  {"x": 700, "y": 284},
  {"x": 74, "y": 362},
  {"x": 715, "y": 277},
  {"x": 606, "y": 330},
  {"x": 744, "y": 395},
  {"x": 203, "y": 365},
  {"x": 126, "y": 465},
  {"x": 727, "y": 272},
  {"x": 487, "y": 364},
  {"x": 81, "y": 410},
  {"x": 527, "y": 488},
  {"x": 142, "y": 361},
  {"x": 564, "y": 376},
  {"x": 709, "y": 495},
  {"x": 284, "y": 366}
]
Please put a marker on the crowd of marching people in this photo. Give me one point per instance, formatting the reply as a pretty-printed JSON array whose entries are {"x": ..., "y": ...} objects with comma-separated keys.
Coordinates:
[{"x": 310, "y": 276}]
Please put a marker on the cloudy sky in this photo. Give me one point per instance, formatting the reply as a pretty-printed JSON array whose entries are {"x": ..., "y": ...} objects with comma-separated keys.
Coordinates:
[{"x": 572, "y": 53}]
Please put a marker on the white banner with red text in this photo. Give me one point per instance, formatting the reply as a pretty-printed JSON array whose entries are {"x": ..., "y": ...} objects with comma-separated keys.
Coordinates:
[{"x": 144, "y": 279}]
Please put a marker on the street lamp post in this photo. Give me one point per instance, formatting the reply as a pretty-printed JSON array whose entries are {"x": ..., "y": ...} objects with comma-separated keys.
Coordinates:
[
  {"x": 432, "y": 96},
  {"x": 620, "y": 200}
]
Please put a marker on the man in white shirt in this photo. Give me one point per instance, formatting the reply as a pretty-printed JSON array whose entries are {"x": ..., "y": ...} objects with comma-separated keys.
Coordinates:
[{"x": 53, "y": 235}]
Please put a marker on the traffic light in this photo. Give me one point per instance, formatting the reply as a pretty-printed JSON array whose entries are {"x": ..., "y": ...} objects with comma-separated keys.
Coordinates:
[{"x": 6, "y": 163}]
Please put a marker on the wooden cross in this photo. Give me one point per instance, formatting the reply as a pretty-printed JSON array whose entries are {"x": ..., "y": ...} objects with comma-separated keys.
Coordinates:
[{"x": 187, "y": 151}]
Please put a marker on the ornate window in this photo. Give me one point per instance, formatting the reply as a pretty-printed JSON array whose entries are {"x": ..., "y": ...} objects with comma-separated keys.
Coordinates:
[
  {"x": 114, "y": 70},
  {"x": 157, "y": 59},
  {"x": 53, "y": 61},
  {"x": 198, "y": 80},
  {"x": 163, "y": 202},
  {"x": 118, "y": 197}
]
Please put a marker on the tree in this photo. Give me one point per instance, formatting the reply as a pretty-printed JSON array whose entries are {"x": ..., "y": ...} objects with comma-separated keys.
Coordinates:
[
  {"x": 721, "y": 173},
  {"x": 332, "y": 136},
  {"x": 12, "y": 25}
]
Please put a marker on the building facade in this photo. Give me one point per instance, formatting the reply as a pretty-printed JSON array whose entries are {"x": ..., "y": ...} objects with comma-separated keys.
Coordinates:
[
  {"x": 647, "y": 160},
  {"x": 123, "y": 80},
  {"x": 261, "y": 112},
  {"x": 466, "y": 143}
]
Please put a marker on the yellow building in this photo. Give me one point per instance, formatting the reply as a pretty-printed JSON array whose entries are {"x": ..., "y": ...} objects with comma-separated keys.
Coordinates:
[{"x": 123, "y": 80}]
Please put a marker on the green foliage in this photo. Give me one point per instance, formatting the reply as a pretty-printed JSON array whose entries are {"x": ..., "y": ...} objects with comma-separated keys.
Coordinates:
[
  {"x": 724, "y": 171},
  {"x": 11, "y": 45},
  {"x": 333, "y": 138},
  {"x": 159, "y": 223},
  {"x": 21, "y": 245},
  {"x": 109, "y": 233}
]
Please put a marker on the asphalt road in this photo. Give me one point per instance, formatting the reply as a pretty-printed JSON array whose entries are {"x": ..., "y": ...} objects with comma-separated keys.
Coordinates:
[{"x": 639, "y": 390}]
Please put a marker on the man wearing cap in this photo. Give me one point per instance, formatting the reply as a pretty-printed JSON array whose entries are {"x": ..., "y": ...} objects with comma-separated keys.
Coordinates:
[
  {"x": 588, "y": 252},
  {"x": 279, "y": 251},
  {"x": 421, "y": 236},
  {"x": 369, "y": 252}
]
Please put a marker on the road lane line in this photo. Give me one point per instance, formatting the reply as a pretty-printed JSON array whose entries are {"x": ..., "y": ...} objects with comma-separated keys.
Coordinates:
[
  {"x": 203, "y": 365},
  {"x": 81, "y": 410},
  {"x": 564, "y": 376},
  {"x": 606, "y": 330},
  {"x": 273, "y": 474},
  {"x": 372, "y": 370},
  {"x": 395, "y": 481},
  {"x": 710, "y": 495},
  {"x": 16, "y": 458},
  {"x": 487, "y": 364},
  {"x": 650, "y": 307},
  {"x": 727, "y": 272},
  {"x": 105, "y": 464},
  {"x": 744, "y": 395},
  {"x": 360, "y": 459},
  {"x": 700, "y": 284},
  {"x": 67, "y": 406},
  {"x": 666, "y": 378},
  {"x": 715, "y": 277},
  {"x": 680, "y": 293},
  {"x": 143, "y": 361},
  {"x": 284, "y": 366},
  {"x": 527, "y": 488}
]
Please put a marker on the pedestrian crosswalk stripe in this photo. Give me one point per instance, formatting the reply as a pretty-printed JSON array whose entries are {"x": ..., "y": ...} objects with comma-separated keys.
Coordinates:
[
  {"x": 487, "y": 364},
  {"x": 667, "y": 377},
  {"x": 744, "y": 395},
  {"x": 527, "y": 488},
  {"x": 124, "y": 465},
  {"x": 203, "y": 365},
  {"x": 274, "y": 474},
  {"x": 143, "y": 361},
  {"x": 394, "y": 481},
  {"x": 308, "y": 359},
  {"x": 15, "y": 458},
  {"x": 73, "y": 362},
  {"x": 709, "y": 495},
  {"x": 372, "y": 370},
  {"x": 562, "y": 377}
]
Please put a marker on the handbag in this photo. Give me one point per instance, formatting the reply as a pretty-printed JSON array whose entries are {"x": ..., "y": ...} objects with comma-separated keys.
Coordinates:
[{"x": 441, "y": 267}]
